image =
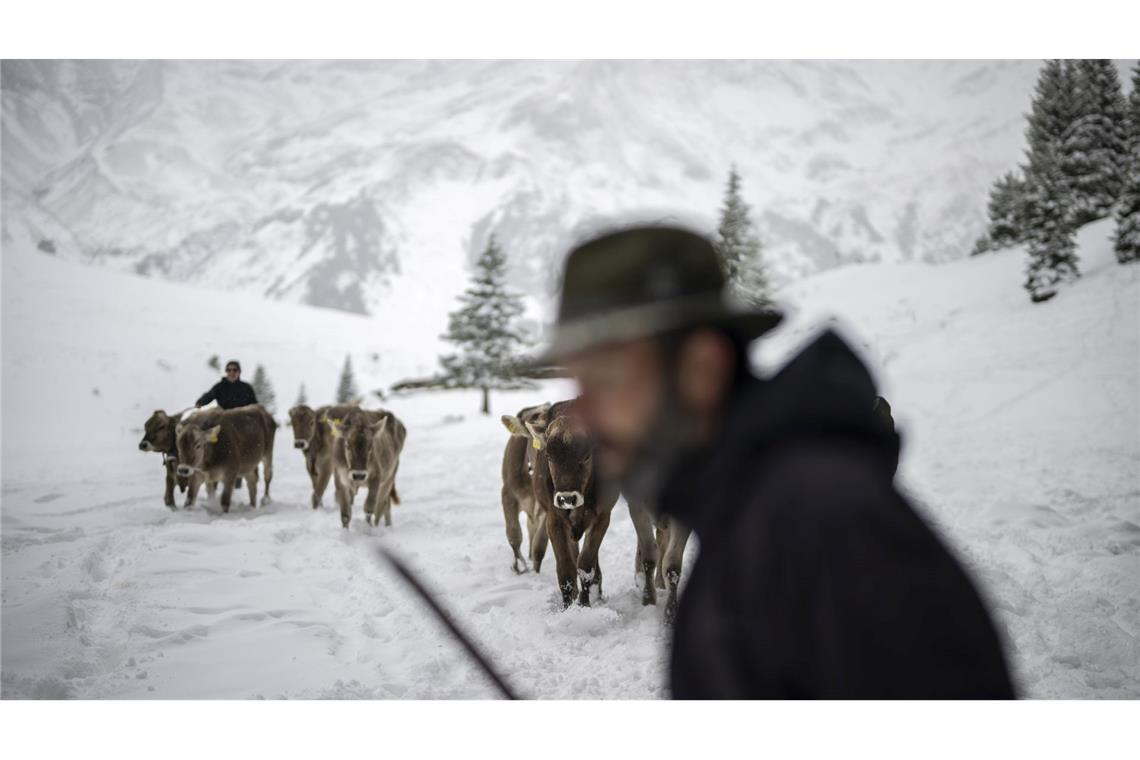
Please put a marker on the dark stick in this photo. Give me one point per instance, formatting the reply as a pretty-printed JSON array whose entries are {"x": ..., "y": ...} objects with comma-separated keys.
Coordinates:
[{"x": 403, "y": 571}]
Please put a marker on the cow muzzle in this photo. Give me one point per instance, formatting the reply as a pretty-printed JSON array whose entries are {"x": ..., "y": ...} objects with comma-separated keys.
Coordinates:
[
  {"x": 358, "y": 476},
  {"x": 303, "y": 445},
  {"x": 568, "y": 499},
  {"x": 185, "y": 470},
  {"x": 144, "y": 446}
]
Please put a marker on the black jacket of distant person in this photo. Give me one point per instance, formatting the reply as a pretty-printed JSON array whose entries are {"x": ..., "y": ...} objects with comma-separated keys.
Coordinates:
[
  {"x": 229, "y": 395},
  {"x": 815, "y": 577}
]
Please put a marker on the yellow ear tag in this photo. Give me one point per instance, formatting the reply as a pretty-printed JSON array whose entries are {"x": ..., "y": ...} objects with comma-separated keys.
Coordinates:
[
  {"x": 335, "y": 425},
  {"x": 214, "y": 438},
  {"x": 537, "y": 444}
]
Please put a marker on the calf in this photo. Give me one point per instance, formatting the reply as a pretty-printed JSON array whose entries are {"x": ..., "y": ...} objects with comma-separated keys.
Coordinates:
[
  {"x": 312, "y": 436},
  {"x": 158, "y": 436},
  {"x": 518, "y": 487},
  {"x": 657, "y": 563},
  {"x": 221, "y": 446},
  {"x": 576, "y": 503},
  {"x": 366, "y": 452}
]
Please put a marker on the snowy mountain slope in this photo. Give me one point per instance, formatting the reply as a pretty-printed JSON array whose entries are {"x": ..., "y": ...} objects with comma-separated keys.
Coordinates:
[
  {"x": 1021, "y": 446},
  {"x": 338, "y": 183}
]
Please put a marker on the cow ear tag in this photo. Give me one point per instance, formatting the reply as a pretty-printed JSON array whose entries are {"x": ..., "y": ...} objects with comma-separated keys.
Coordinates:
[
  {"x": 214, "y": 438},
  {"x": 537, "y": 444}
]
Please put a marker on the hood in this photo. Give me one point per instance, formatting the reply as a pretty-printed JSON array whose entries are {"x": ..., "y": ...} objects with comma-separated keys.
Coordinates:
[{"x": 825, "y": 391}]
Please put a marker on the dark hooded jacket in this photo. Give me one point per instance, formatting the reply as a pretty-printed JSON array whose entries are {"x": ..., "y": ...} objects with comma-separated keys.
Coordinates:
[
  {"x": 229, "y": 395},
  {"x": 815, "y": 578}
]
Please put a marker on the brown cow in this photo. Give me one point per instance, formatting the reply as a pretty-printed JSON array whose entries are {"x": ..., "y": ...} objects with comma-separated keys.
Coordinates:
[
  {"x": 366, "y": 452},
  {"x": 657, "y": 563},
  {"x": 577, "y": 504},
  {"x": 219, "y": 447},
  {"x": 158, "y": 436},
  {"x": 312, "y": 436},
  {"x": 518, "y": 487}
]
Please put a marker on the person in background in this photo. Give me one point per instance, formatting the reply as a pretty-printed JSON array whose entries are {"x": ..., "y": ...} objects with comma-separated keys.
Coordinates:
[
  {"x": 231, "y": 391},
  {"x": 815, "y": 577}
]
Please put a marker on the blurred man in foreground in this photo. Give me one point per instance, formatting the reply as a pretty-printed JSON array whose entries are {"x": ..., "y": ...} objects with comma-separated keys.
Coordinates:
[{"x": 815, "y": 577}]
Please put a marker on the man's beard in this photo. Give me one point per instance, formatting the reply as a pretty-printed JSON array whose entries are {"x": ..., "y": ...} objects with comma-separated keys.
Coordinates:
[{"x": 671, "y": 438}]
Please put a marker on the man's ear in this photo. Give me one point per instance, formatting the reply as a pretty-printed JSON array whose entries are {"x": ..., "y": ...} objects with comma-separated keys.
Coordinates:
[
  {"x": 513, "y": 426},
  {"x": 212, "y": 433},
  {"x": 537, "y": 439}
]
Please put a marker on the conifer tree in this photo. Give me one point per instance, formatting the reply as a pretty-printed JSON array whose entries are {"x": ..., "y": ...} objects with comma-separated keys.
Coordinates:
[
  {"x": 1007, "y": 211},
  {"x": 1052, "y": 252},
  {"x": 1051, "y": 116},
  {"x": 486, "y": 332},
  {"x": 302, "y": 399},
  {"x": 346, "y": 387},
  {"x": 738, "y": 246},
  {"x": 263, "y": 389},
  {"x": 1095, "y": 147},
  {"x": 1127, "y": 242}
]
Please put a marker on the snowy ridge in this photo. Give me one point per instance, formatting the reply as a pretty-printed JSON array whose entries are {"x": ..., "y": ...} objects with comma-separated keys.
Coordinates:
[
  {"x": 342, "y": 184},
  {"x": 1021, "y": 446}
]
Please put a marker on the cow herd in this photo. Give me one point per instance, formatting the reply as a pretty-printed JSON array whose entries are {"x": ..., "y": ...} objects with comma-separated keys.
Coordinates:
[{"x": 548, "y": 475}]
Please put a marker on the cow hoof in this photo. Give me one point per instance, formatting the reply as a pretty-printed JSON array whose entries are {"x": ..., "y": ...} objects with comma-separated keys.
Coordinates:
[{"x": 519, "y": 566}]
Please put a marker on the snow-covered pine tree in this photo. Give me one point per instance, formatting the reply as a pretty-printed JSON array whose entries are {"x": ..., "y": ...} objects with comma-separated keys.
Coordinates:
[
  {"x": 346, "y": 387},
  {"x": 1127, "y": 243},
  {"x": 1051, "y": 115},
  {"x": 214, "y": 363},
  {"x": 738, "y": 247},
  {"x": 1007, "y": 210},
  {"x": 264, "y": 389},
  {"x": 485, "y": 329},
  {"x": 1095, "y": 147},
  {"x": 1134, "y": 110},
  {"x": 302, "y": 398},
  {"x": 1052, "y": 252}
]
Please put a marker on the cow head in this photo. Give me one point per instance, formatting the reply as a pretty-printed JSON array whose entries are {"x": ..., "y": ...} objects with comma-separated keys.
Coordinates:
[
  {"x": 569, "y": 455},
  {"x": 536, "y": 416},
  {"x": 359, "y": 433},
  {"x": 195, "y": 444},
  {"x": 304, "y": 422},
  {"x": 158, "y": 433}
]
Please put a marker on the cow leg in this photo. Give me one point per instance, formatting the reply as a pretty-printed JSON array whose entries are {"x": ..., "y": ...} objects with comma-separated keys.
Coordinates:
[
  {"x": 372, "y": 504},
  {"x": 168, "y": 495},
  {"x": 662, "y": 544},
  {"x": 267, "y": 472},
  {"x": 324, "y": 474},
  {"x": 589, "y": 571},
  {"x": 211, "y": 489},
  {"x": 388, "y": 491},
  {"x": 251, "y": 481},
  {"x": 674, "y": 555},
  {"x": 565, "y": 559},
  {"x": 344, "y": 501},
  {"x": 645, "y": 560},
  {"x": 192, "y": 490},
  {"x": 514, "y": 531},
  {"x": 227, "y": 493},
  {"x": 539, "y": 542}
]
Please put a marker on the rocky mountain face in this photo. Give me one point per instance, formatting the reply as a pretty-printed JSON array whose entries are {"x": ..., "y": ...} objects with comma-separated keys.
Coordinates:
[{"x": 367, "y": 186}]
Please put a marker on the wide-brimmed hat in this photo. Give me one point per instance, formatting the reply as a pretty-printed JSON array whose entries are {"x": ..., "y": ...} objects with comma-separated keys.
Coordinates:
[{"x": 645, "y": 281}]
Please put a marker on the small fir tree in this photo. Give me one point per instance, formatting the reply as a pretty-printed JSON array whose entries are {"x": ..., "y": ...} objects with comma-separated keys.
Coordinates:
[
  {"x": 264, "y": 389},
  {"x": 738, "y": 247},
  {"x": 485, "y": 329},
  {"x": 346, "y": 391}
]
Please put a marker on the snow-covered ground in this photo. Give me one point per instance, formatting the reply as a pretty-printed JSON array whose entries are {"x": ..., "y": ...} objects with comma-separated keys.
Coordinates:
[{"x": 1022, "y": 444}]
